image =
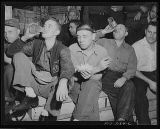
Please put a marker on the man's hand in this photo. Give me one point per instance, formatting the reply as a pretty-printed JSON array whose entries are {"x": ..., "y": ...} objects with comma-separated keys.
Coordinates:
[
  {"x": 107, "y": 29},
  {"x": 86, "y": 74},
  {"x": 138, "y": 16},
  {"x": 28, "y": 35},
  {"x": 120, "y": 82},
  {"x": 62, "y": 91},
  {"x": 153, "y": 86},
  {"x": 104, "y": 63}
]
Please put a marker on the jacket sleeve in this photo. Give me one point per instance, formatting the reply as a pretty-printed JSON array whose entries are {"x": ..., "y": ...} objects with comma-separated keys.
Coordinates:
[
  {"x": 28, "y": 48},
  {"x": 14, "y": 48},
  {"x": 67, "y": 68}
]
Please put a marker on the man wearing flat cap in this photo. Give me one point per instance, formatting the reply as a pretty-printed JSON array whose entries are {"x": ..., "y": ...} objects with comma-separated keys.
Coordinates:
[
  {"x": 87, "y": 58},
  {"x": 12, "y": 45}
]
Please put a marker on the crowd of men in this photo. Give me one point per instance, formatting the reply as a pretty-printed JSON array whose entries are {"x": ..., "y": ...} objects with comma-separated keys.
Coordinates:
[{"x": 80, "y": 62}]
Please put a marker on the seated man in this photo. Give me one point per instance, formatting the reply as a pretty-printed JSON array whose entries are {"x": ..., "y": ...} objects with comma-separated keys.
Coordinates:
[
  {"x": 12, "y": 46},
  {"x": 73, "y": 24},
  {"x": 146, "y": 72},
  {"x": 51, "y": 65},
  {"x": 116, "y": 81},
  {"x": 89, "y": 60}
]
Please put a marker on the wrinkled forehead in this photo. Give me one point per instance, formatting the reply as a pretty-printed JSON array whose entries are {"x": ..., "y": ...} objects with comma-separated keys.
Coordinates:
[
  {"x": 84, "y": 32},
  {"x": 152, "y": 28},
  {"x": 50, "y": 22},
  {"x": 120, "y": 27},
  {"x": 7, "y": 28}
]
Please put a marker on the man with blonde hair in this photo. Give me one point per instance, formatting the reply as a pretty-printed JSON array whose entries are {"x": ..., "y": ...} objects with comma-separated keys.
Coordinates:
[{"x": 51, "y": 67}]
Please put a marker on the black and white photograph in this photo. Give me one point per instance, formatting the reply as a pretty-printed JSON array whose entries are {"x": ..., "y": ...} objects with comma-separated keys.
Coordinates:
[{"x": 79, "y": 63}]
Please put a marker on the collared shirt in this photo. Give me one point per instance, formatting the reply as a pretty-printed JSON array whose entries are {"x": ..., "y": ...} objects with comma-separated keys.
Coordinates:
[
  {"x": 146, "y": 57},
  {"x": 44, "y": 60},
  {"x": 123, "y": 57},
  {"x": 92, "y": 57}
]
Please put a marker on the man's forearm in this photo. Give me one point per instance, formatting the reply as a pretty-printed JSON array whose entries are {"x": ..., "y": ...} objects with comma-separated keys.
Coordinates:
[
  {"x": 98, "y": 69},
  {"x": 7, "y": 59},
  {"x": 63, "y": 82},
  {"x": 141, "y": 76}
]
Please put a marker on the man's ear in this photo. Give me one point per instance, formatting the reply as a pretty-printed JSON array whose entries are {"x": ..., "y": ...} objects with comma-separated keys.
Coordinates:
[
  {"x": 126, "y": 33},
  {"x": 18, "y": 31},
  {"x": 57, "y": 32}
]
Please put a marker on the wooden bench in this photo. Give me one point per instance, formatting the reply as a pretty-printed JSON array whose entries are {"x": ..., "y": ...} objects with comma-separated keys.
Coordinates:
[
  {"x": 104, "y": 109},
  {"x": 68, "y": 107}
]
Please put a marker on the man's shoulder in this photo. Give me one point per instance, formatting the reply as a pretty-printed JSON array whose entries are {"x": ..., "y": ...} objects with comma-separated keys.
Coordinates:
[
  {"x": 100, "y": 48},
  {"x": 61, "y": 47},
  {"x": 105, "y": 41},
  {"x": 138, "y": 43},
  {"x": 74, "y": 47},
  {"x": 128, "y": 46}
]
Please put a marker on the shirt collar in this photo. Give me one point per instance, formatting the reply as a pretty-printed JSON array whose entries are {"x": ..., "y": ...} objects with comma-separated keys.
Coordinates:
[
  {"x": 51, "y": 48},
  {"x": 94, "y": 50},
  {"x": 145, "y": 42},
  {"x": 124, "y": 45}
]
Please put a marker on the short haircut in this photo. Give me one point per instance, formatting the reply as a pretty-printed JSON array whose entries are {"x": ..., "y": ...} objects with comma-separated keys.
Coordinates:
[
  {"x": 76, "y": 22},
  {"x": 73, "y": 10},
  {"x": 85, "y": 26},
  {"x": 53, "y": 19},
  {"x": 152, "y": 23}
]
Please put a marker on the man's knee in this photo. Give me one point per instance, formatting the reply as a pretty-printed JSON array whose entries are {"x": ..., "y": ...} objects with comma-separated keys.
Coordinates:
[
  {"x": 129, "y": 86},
  {"x": 9, "y": 69},
  {"x": 18, "y": 56},
  {"x": 92, "y": 84}
]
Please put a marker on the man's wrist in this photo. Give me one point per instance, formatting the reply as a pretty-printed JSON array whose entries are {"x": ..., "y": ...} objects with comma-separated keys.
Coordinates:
[
  {"x": 24, "y": 38},
  {"x": 103, "y": 32},
  {"x": 124, "y": 78},
  {"x": 63, "y": 80}
]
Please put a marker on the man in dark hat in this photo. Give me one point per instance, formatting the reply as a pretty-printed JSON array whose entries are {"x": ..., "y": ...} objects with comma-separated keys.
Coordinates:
[{"x": 12, "y": 45}]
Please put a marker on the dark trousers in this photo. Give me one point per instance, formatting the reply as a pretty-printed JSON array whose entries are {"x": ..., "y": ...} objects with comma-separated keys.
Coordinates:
[
  {"x": 142, "y": 104},
  {"x": 122, "y": 99},
  {"x": 8, "y": 78}
]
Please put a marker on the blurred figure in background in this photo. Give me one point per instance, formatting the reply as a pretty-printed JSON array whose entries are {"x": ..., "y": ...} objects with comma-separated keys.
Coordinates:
[
  {"x": 137, "y": 22},
  {"x": 65, "y": 35},
  {"x": 73, "y": 31}
]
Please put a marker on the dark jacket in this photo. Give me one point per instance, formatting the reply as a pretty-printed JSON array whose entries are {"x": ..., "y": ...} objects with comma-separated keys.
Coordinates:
[
  {"x": 13, "y": 48},
  {"x": 60, "y": 61},
  {"x": 64, "y": 35}
]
